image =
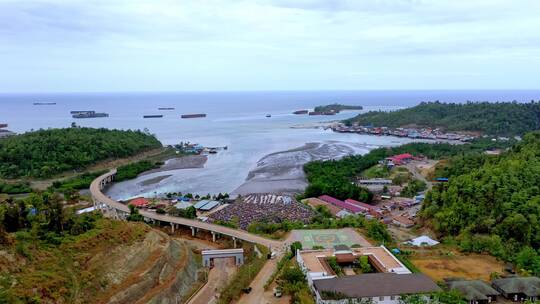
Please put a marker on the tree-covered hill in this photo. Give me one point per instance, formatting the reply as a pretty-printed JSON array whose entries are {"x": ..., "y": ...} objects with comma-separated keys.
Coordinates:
[
  {"x": 44, "y": 153},
  {"x": 495, "y": 206},
  {"x": 502, "y": 118}
]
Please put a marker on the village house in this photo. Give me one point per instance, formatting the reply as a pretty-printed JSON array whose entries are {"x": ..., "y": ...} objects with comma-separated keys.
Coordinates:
[
  {"x": 518, "y": 289},
  {"x": 474, "y": 291}
]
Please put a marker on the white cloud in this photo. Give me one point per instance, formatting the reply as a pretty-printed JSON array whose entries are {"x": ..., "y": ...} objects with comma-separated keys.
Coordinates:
[{"x": 267, "y": 44}]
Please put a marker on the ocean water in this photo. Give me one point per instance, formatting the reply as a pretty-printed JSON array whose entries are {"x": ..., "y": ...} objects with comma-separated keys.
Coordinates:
[{"x": 234, "y": 119}]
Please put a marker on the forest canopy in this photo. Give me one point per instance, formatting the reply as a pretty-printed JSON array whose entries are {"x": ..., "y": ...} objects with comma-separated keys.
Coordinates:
[
  {"x": 44, "y": 153},
  {"x": 493, "y": 206},
  {"x": 501, "y": 118}
]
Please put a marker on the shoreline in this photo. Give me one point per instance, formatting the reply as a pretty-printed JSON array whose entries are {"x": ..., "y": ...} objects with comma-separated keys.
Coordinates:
[{"x": 178, "y": 163}]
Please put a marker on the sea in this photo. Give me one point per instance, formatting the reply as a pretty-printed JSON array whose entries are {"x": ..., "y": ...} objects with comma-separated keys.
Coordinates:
[{"x": 234, "y": 119}]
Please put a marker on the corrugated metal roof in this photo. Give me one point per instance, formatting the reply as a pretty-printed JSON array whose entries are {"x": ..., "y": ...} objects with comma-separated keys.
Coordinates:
[
  {"x": 200, "y": 204},
  {"x": 209, "y": 206}
]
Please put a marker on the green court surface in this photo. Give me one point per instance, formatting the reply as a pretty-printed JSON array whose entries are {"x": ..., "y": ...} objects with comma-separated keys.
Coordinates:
[{"x": 328, "y": 238}]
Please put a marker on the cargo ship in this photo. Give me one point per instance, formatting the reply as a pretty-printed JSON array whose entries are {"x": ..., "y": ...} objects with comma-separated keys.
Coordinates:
[
  {"x": 89, "y": 114},
  {"x": 301, "y": 112},
  {"x": 165, "y": 109},
  {"x": 152, "y": 116},
  {"x": 44, "y": 103},
  {"x": 193, "y": 115}
]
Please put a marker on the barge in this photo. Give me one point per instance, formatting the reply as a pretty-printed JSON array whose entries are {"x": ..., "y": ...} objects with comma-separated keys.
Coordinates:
[
  {"x": 44, "y": 103},
  {"x": 193, "y": 115},
  {"x": 89, "y": 114},
  {"x": 165, "y": 109},
  {"x": 301, "y": 112},
  {"x": 152, "y": 116}
]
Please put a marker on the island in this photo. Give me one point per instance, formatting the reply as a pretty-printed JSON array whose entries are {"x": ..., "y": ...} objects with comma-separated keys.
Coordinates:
[{"x": 332, "y": 109}]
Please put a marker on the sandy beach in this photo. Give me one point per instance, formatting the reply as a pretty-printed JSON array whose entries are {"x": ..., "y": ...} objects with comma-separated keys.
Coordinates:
[
  {"x": 184, "y": 162},
  {"x": 282, "y": 172}
]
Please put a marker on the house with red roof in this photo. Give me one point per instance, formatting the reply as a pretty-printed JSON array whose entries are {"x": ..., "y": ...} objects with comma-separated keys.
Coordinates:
[
  {"x": 400, "y": 159},
  {"x": 366, "y": 208},
  {"x": 139, "y": 202}
]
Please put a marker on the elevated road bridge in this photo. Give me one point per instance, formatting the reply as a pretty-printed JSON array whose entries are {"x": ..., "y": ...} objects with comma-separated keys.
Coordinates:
[{"x": 118, "y": 210}]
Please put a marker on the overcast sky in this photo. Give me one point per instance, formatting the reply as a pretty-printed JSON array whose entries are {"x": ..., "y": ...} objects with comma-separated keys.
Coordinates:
[{"x": 215, "y": 45}]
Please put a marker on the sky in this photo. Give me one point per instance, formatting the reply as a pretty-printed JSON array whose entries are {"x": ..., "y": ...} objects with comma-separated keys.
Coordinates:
[{"x": 230, "y": 45}]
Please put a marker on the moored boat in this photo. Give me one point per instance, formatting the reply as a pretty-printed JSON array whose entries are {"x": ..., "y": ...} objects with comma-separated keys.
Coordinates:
[{"x": 193, "y": 115}]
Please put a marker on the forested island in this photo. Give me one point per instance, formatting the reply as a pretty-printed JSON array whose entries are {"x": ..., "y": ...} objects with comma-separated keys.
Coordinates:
[
  {"x": 45, "y": 153},
  {"x": 335, "y": 108},
  {"x": 500, "y": 119}
]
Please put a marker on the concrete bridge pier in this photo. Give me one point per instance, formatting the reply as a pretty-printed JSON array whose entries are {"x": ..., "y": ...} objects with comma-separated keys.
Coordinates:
[
  {"x": 193, "y": 230},
  {"x": 213, "y": 236},
  {"x": 234, "y": 241}
]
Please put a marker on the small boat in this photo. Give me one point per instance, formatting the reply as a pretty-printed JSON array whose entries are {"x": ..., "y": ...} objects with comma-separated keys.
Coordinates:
[
  {"x": 268, "y": 115},
  {"x": 152, "y": 116}
]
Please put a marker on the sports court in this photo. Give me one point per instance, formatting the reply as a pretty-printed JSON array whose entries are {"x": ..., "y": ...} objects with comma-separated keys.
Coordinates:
[{"x": 328, "y": 238}]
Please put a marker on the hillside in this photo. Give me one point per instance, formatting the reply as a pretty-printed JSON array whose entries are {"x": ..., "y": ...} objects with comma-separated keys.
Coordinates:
[
  {"x": 44, "y": 153},
  {"x": 114, "y": 262},
  {"x": 492, "y": 204},
  {"x": 503, "y": 118}
]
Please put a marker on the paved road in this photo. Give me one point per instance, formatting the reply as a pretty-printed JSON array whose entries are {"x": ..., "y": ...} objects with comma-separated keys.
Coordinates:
[
  {"x": 257, "y": 285},
  {"x": 98, "y": 196},
  {"x": 217, "y": 278}
]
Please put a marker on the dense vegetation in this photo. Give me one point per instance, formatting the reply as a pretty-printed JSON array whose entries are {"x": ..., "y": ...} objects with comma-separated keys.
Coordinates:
[
  {"x": 44, "y": 153},
  {"x": 14, "y": 188},
  {"x": 335, "y": 107},
  {"x": 131, "y": 171},
  {"x": 492, "y": 204},
  {"x": 503, "y": 118},
  {"x": 336, "y": 177}
]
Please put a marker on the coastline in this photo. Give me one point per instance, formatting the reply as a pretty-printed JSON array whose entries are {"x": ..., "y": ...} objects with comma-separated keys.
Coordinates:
[{"x": 184, "y": 162}]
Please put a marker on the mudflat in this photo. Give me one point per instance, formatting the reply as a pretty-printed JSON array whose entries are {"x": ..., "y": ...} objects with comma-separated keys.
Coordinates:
[{"x": 282, "y": 172}]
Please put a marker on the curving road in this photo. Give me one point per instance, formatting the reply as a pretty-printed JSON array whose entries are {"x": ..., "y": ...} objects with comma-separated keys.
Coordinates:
[{"x": 101, "y": 199}]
